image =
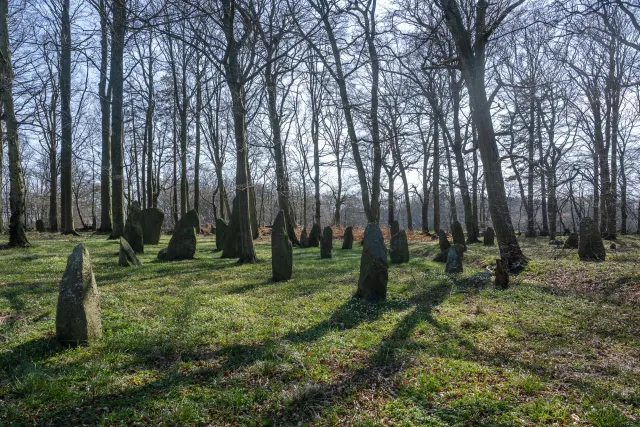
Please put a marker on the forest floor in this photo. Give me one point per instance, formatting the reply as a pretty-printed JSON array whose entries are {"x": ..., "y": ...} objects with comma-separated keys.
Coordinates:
[{"x": 207, "y": 341}]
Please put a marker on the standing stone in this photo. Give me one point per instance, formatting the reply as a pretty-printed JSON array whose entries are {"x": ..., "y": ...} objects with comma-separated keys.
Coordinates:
[
  {"x": 314, "y": 236},
  {"x": 281, "y": 250},
  {"x": 572, "y": 241},
  {"x": 183, "y": 241},
  {"x": 78, "y": 312},
  {"x": 347, "y": 239},
  {"x": 489, "y": 237},
  {"x": 40, "y": 227},
  {"x": 454, "y": 260},
  {"x": 443, "y": 241},
  {"x": 221, "y": 233},
  {"x": 127, "y": 256},
  {"x": 326, "y": 245},
  {"x": 152, "y": 220},
  {"x": 374, "y": 268},
  {"x": 458, "y": 234},
  {"x": 399, "y": 252},
  {"x": 590, "y": 246},
  {"x": 304, "y": 239},
  {"x": 395, "y": 227},
  {"x": 133, "y": 228},
  {"x": 502, "y": 274}
]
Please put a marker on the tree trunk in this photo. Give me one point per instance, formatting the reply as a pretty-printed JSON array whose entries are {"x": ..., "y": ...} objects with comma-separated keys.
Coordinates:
[
  {"x": 53, "y": 172},
  {"x": 282, "y": 184},
  {"x": 234, "y": 77},
  {"x": 531, "y": 220},
  {"x": 17, "y": 229},
  {"x": 436, "y": 176},
  {"x": 453, "y": 211},
  {"x": 196, "y": 165},
  {"x": 117, "y": 120},
  {"x": 104, "y": 94},
  {"x": 66, "y": 189}
]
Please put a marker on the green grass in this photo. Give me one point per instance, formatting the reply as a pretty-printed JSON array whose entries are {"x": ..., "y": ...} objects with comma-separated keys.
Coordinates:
[{"x": 209, "y": 342}]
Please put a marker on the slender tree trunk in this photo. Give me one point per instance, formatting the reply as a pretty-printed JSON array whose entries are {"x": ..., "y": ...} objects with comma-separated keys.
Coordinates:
[
  {"x": 391, "y": 202},
  {"x": 282, "y": 185},
  {"x": 1, "y": 169},
  {"x": 119, "y": 23},
  {"x": 316, "y": 179},
  {"x": 196, "y": 166},
  {"x": 104, "y": 94},
  {"x": 66, "y": 189},
  {"x": 436, "y": 176},
  {"x": 531, "y": 220},
  {"x": 453, "y": 211},
  {"x": 17, "y": 229},
  {"x": 624, "y": 216},
  {"x": 371, "y": 205},
  {"x": 234, "y": 76},
  {"x": 53, "y": 171},
  {"x": 543, "y": 178},
  {"x": 151, "y": 201}
]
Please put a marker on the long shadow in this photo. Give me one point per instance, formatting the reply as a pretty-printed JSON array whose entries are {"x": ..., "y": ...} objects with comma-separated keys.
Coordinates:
[{"x": 35, "y": 351}]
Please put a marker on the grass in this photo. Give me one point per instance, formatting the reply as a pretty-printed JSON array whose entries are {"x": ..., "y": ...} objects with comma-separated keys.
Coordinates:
[{"x": 209, "y": 342}]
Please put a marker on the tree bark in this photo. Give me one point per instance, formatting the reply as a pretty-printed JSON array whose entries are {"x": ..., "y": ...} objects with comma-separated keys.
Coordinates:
[
  {"x": 17, "y": 229},
  {"x": 235, "y": 81},
  {"x": 66, "y": 185},
  {"x": 119, "y": 23},
  {"x": 104, "y": 94}
]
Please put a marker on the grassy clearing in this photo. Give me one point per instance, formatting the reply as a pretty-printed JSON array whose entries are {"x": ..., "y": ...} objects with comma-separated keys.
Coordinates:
[{"x": 209, "y": 342}]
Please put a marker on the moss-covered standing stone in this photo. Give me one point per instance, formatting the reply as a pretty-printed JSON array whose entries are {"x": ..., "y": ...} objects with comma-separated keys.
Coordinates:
[
  {"x": 133, "y": 228},
  {"x": 374, "y": 268},
  {"x": 314, "y": 236},
  {"x": 221, "y": 233},
  {"x": 590, "y": 245},
  {"x": 281, "y": 251},
  {"x": 326, "y": 245},
  {"x": 152, "y": 220},
  {"x": 489, "y": 237},
  {"x": 347, "y": 238},
  {"x": 127, "y": 257},
  {"x": 183, "y": 241},
  {"x": 399, "y": 248},
  {"x": 78, "y": 311}
]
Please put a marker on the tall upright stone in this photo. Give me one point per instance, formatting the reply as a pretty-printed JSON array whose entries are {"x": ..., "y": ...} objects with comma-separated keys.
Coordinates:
[
  {"x": 399, "y": 248},
  {"x": 127, "y": 256},
  {"x": 443, "y": 242},
  {"x": 281, "y": 250},
  {"x": 590, "y": 245},
  {"x": 347, "y": 238},
  {"x": 454, "y": 260},
  {"x": 395, "y": 227},
  {"x": 133, "y": 228},
  {"x": 489, "y": 237},
  {"x": 152, "y": 220},
  {"x": 221, "y": 233},
  {"x": 374, "y": 268},
  {"x": 78, "y": 311},
  {"x": 183, "y": 241},
  {"x": 326, "y": 245},
  {"x": 40, "y": 227},
  {"x": 304, "y": 238},
  {"x": 458, "y": 234},
  {"x": 572, "y": 242},
  {"x": 315, "y": 236}
]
